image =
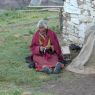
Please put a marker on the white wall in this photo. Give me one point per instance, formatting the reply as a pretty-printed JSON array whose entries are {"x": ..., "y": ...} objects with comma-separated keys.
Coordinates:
[{"x": 79, "y": 15}]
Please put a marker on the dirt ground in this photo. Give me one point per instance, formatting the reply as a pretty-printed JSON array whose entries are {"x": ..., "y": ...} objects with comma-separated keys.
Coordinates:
[{"x": 71, "y": 84}]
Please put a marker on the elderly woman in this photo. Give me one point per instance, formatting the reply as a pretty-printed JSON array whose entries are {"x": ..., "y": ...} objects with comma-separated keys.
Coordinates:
[{"x": 46, "y": 50}]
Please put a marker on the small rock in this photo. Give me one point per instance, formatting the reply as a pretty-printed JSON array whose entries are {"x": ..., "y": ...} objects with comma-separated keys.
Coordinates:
[
  {"x": 26, "y": 93},
  {"x": 17, "y": 35}
]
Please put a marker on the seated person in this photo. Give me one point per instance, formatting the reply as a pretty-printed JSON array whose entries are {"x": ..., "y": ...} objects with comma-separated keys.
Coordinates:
[{"x": 46, "y": 50}]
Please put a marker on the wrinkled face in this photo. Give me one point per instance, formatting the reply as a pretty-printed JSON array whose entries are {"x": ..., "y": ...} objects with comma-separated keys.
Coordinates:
[{"x": 42, "y": 30}]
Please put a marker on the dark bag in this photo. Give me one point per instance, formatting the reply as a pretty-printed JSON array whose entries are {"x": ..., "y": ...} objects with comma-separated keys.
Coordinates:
[
  {"x": 75, "y": 47},
  {"x": 29, "y": 59}
]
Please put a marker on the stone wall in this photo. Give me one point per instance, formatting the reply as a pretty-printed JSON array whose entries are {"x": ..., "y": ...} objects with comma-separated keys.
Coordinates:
[
  {"x": 78, "y": 16},
  {"x": 13, "y": 4}
]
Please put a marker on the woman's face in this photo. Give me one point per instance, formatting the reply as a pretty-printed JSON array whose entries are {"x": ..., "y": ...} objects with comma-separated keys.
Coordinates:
[{"x": 42, "y": 29}]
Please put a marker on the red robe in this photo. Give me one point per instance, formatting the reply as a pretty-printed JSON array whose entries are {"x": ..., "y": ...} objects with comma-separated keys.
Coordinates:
[{"x": 40, "y": 60}]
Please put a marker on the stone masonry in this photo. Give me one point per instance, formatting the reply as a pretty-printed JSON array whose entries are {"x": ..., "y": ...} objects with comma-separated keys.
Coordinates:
[{"x": 78, "y": 16}]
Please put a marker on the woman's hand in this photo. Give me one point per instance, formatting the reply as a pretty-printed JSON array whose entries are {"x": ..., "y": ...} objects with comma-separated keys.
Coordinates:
[{"x": 42, "y": 49}]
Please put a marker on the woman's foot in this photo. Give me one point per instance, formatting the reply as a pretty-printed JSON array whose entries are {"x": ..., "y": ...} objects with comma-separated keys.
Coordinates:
[
  {"x": 57, "y": 68},
  {"x": 47, "y": 70}
]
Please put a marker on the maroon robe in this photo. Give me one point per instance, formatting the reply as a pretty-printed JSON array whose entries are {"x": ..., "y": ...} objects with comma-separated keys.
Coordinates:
[{"x": 40, "y": 60}]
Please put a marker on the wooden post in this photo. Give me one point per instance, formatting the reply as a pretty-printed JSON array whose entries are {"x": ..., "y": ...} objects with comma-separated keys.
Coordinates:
[{"x": 61, "y": 19}]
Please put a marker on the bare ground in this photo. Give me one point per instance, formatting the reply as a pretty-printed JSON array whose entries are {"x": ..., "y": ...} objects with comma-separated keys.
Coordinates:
[{"x": 71, "y": 84}]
